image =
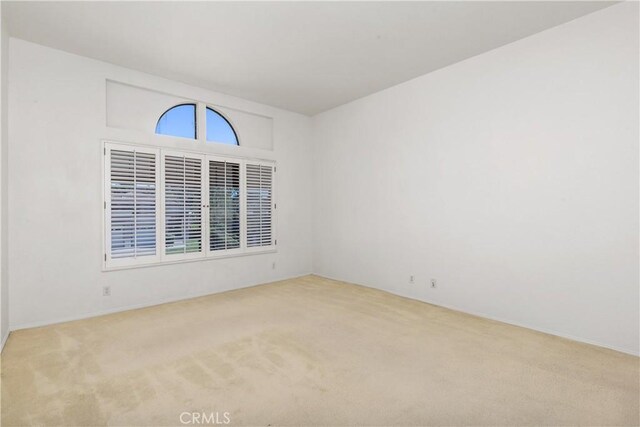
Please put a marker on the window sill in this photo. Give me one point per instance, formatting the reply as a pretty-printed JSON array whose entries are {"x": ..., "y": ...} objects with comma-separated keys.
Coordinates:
[{"x": 106, "y": 268}]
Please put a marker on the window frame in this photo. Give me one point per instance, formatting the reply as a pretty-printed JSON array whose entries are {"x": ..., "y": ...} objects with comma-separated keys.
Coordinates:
[{"x": 161, "y": 258}]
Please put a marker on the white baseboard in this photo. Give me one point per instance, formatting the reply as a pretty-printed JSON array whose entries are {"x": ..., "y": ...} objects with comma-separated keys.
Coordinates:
[
  {"x": 87, "y": 315},
  {"x": 633, "y": 352}
]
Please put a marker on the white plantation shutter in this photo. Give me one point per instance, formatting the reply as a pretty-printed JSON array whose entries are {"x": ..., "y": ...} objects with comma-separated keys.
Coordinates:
[
  {"x": 183, "y": 213},
  {"x": 166, "y": 205},
  {"x": 224, "y": 205},
  {"x": 259, "y": 193},
  {"x": 131, "y": 205}
]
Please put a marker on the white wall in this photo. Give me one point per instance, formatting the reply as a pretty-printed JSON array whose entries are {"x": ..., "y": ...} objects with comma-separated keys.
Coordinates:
[
  {"x": 4, "y": 235},
  {"x": 57, "y": 120},
  {"x": 511, "y": 178}
]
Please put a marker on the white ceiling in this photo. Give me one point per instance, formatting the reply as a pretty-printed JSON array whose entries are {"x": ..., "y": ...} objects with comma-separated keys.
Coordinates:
[{"x": 302, "y": 56}]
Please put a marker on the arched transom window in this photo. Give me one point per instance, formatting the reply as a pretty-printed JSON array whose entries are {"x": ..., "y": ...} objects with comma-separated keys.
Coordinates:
[{"x": 182, "y": 121}]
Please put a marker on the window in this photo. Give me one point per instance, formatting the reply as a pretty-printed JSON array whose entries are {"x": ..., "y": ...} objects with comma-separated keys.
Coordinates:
[
  {"x": 178, "y": 121},
  {"x": 219, "y": 129},
  {"x": 165, "y": 205},
  {"x": 182, "y": 121}
]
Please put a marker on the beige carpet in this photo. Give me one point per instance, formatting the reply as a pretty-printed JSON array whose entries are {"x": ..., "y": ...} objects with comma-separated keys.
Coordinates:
[{"x": 310, "y": 351}]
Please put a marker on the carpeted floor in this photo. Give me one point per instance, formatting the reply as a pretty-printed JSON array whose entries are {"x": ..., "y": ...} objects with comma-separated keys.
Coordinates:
[{"x": 309, "y": 351}]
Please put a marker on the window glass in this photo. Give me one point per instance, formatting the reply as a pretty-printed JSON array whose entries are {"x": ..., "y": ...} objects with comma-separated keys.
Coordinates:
[
  {"x": 219, "y": 129},
  {"x": 178, "y": 121}
]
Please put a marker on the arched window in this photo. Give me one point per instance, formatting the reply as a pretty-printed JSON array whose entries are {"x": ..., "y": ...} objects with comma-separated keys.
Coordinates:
[
  {"x": 181, "y": 120},
  {"x": 219, "y": 129},
  {"x": 178, "y": 121}
]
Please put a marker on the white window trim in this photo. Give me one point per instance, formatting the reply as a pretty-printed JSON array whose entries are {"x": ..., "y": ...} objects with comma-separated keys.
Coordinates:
[{"x": 161, "y": 258}]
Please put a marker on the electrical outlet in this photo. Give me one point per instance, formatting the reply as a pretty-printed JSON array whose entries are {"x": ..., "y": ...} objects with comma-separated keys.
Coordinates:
[
  {"x": 433, "y": 283},
  {"x": 412, "y": 279},
  {"x": 106, "y": 291}
]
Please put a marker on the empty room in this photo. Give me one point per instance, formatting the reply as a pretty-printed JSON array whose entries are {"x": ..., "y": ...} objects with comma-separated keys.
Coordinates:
[{"x": 420, "y": 213}]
